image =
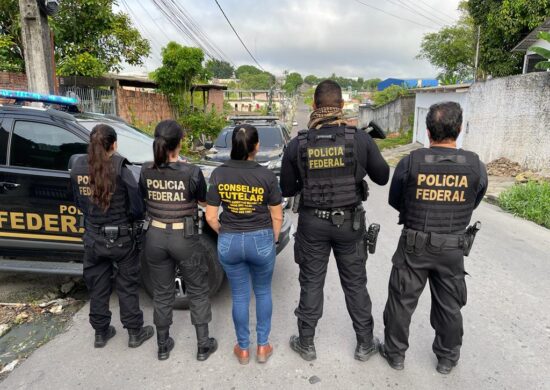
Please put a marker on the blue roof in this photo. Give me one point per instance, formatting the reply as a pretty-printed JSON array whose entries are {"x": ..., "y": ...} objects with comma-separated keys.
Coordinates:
[{"x": 408, "y": 83}]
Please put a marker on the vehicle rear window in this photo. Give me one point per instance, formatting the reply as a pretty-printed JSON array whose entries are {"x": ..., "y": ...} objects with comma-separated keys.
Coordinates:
[
  {"x": 45, "y": 146},
  {"x": 133, "y": 144},
  {"x": 269, "y": 137},
  {"x": 3, "y": 144}
]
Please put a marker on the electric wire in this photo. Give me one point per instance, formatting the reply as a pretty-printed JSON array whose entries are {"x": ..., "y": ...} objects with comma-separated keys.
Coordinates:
[
  {"x": 237, "y": 34},
  {"x": 413, "y": 10},
  {"x": 393, "y": 15},
  {"x": 432, "y": 8}
]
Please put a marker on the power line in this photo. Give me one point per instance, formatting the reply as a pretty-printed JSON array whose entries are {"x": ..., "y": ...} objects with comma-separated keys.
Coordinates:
[
  {"x": 417, "y": 12},
  {"x": 452, "y": 18},
  {"x": 393, "y": 15},
  {"x": 144, "y": 29},
  {"x": 237, "y": 34}
]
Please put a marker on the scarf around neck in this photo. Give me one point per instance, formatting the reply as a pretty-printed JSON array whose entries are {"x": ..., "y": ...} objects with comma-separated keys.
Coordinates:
[{"x": 326, "y": 116}]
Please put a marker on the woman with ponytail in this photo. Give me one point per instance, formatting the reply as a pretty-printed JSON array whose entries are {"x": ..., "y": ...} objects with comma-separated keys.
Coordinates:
[
  {"x": 248, "y": 229},
  {"x": 173, "y": 189},
  {"x": 106, "y": 192}
]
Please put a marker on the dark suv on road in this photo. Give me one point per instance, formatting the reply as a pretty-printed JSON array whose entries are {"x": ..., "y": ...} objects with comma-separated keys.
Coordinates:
[
  {"x": 39, "y": 222},
  {"x": 274, "y": 138}
]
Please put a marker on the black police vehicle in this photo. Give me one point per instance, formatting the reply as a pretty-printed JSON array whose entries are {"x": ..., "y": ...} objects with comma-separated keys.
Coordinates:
[{"x": 40, "y": 228}]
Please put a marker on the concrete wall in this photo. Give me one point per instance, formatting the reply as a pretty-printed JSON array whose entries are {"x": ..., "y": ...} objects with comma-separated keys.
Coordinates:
[
  {"x": 510, "y": 117},
  {"x": 423, "y": 102},
  {"x": 144, "y": 108},
  {"x": 392, "y": 117}
]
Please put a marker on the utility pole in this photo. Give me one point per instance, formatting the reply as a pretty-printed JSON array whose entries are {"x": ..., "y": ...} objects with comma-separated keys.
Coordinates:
[
  {"x": 477, "y": 52},
  {"x": 36, "y": 38}
]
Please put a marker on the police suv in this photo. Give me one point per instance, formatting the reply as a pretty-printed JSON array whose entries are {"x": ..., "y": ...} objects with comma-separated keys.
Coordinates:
[{"x": 40, "y": 226}]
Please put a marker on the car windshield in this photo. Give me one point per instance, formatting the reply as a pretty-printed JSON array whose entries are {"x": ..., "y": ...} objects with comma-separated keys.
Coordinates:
[
  {"x": 133, "y": 144},
  {"x": 270, "y": 137}
]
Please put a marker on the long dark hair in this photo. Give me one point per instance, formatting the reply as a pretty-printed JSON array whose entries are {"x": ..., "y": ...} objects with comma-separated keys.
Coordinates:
[
  {"x": 168, "y": 135},
  {"x": 102, "y": 175},
  {"x": 244, "y": 141}
]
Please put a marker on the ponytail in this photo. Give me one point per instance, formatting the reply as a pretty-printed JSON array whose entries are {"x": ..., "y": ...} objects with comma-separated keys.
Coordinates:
[
  {"x": 102, "y": 175},
  {"x": 168, "y": 136},
  {"x": 244, "y": 141}
]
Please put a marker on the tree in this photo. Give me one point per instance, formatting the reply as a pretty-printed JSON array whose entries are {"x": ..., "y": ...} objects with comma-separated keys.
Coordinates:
[
  {"x": 180, "y": 65},
  {"x": 388, "y": 95},
  {"x": 311, "y": 80},
  {"x": 293, "y": 81},
  {"x": 542, "y": 51},
  {"x": 452, "y": 49},
  {"x": 503, "y": 24},
  {"x": 263, "y": 80},
  {"x": 87, "y": 33},
  {"x": 220, "y": 69},
  {"x": 247, "y": 69},
  {"x": 371, "y": 84}
]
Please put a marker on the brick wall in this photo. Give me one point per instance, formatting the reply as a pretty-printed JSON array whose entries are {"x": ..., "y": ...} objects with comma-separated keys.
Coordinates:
[
  {"x": 15, "y": 81},
  {"x": 144, "y": 108},
  {"x": 216, "y": 97}
]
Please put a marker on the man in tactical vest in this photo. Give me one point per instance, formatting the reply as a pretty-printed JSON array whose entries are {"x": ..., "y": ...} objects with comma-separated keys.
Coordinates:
[
  {"x": 326, "y": 165},
  {"x": 111, "y": 257},
  {"x": 435, "y": 191}
]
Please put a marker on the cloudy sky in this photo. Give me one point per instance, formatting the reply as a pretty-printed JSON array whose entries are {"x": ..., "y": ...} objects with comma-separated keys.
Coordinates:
[{"x": 321, "y": 37}]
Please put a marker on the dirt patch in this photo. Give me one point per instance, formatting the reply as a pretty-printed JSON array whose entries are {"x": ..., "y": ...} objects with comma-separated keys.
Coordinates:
[{"x": 504, "y": 167}]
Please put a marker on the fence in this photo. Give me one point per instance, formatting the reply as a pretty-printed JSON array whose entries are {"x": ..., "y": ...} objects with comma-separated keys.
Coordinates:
[{"x": 93, "y": 99}]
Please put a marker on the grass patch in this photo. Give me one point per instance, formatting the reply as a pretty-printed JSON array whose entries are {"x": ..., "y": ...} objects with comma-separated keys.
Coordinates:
[
  {"x": 530, "y": 201},
  {"x": 394, "y": 140}
]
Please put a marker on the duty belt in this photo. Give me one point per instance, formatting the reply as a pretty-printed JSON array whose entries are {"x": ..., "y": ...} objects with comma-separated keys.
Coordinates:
[
  {"x": 336, "y": 216},
  {"x": 417, "y": 240},
  {"x": 123, "y": 230}
]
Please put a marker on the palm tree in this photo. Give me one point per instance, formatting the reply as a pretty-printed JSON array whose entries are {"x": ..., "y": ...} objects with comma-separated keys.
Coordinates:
[{"x": 541, "y": 51}]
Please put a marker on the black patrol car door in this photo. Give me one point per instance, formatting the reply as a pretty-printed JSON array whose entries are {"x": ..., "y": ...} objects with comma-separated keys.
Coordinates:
[{"x": 36, "y": 202}]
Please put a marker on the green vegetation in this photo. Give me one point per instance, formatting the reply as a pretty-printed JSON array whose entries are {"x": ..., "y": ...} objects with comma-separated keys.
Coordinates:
[
  {"x": 543, "y": 52},
  {"x": 504, "y": 23},
  {"x": 359, "y": 85},
  {"x": 292, "y": 82},
  {"x": 395, "y": 140},
  {"x": 90, "y": 38},
  {"x": 219, "y": 69},
  {"x": 253, "y": 78},
  {"x": 452, "y": 49},
  {"x": 308, "y": 96},
  {"x": 388, "y": 95},
  {"x": 530, "y": 201}
]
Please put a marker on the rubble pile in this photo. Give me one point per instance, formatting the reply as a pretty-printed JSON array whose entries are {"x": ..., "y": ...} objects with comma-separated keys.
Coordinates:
[{"x": 504, "y": 167}]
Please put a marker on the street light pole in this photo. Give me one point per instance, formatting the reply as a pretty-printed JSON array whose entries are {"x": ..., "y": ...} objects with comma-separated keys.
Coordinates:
[{"x": 36, "y": 39}]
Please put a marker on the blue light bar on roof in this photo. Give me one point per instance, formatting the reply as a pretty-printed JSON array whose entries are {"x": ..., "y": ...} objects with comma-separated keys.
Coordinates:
[{"x": 23, "y": 96}]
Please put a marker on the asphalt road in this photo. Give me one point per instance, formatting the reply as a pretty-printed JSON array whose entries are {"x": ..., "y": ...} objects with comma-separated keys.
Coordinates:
[{"x": 506, "y": 341}]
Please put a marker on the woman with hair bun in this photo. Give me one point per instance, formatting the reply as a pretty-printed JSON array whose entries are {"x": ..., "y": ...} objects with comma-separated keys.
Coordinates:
[
  {"x": 106, "y": 192},
  {"x": 173, "y": 189},
  {"x": 248, "y": 229}
]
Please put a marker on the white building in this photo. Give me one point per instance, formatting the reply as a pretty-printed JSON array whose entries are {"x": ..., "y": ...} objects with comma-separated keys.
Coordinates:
[
  {"x": 531, "y": 58},
  {"x": 425, "y": 97}
]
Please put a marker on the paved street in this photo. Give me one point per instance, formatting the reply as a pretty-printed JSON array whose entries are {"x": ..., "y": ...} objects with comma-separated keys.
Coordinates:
[{"x": 506, "y": 342}]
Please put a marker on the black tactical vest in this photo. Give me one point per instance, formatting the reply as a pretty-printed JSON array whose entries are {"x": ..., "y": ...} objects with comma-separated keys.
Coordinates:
[
  {"x": 328, "y": 164},
  {"x": 168, "y": 196},
  {"x": 117, "y": 213},
  {"x": 441, "y": 191}
]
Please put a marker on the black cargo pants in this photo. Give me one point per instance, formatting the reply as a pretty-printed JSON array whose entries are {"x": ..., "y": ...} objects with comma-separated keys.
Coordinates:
[
  {"x": 165, "y": 249},
  {"x": 101, "y": 263},
  {"x": 314, "y": 240},
  {"x": 433, "y": 257}
]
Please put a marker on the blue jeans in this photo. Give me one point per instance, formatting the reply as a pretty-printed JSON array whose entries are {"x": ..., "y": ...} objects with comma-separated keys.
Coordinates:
[{"x": 249, "y": 257}]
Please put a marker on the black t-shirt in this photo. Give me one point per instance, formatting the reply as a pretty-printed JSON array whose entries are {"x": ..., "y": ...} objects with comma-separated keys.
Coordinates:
[{"x": 245, "y": 189}]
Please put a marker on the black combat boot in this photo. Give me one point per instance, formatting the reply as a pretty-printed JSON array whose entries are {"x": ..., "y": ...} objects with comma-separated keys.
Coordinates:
[
  {"x": 101, "y": 337},
  {"x": 366, "y": 347},
  {"x": 165, "y": 343},
  {"x": 139, "y": 336},
  {"x": 445, "y": 366},
  {"x": 397, "y": 362},
  {"x": 304, "y": 346},
  {"x": 206, "y": 345}
]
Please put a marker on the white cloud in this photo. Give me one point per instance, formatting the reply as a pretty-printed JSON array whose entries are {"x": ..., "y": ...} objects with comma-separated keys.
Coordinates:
[{"x": 309, "y": 36}]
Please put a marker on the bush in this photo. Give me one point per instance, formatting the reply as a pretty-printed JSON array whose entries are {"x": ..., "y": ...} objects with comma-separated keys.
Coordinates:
[
  {"x": 393, "y": 92},
  {"x": 394, "y": 140},
  {"x": 530, "y": 201}
]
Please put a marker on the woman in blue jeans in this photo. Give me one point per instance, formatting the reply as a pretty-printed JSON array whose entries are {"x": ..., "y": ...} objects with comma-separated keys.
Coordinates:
[{"x": 248, "y": 229}]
